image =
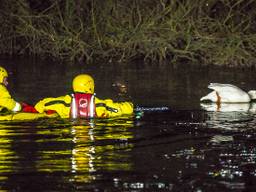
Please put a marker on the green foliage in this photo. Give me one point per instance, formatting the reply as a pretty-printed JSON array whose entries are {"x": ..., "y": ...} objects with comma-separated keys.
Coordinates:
[{"x": 219, "y": 32}]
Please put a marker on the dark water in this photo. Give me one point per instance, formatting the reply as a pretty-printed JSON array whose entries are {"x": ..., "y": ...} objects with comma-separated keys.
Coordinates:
[{"x": 183, "y": 149}]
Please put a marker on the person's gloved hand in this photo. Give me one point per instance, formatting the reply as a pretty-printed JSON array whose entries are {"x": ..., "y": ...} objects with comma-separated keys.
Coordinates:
[{"x": 28, "y": 108}]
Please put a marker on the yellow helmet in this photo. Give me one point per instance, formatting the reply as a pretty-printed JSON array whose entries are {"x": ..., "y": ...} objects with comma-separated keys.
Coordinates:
[
  {"x": 3, "y": 74},
  {"x": 83, "y": 83}
]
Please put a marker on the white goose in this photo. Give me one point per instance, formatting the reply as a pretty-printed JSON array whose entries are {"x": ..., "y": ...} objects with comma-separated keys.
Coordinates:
[{"x": 227, "y": 93}]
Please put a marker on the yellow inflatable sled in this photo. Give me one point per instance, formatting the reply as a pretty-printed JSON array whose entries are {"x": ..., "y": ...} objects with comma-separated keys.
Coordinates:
[{"x": 25, "y": 116}]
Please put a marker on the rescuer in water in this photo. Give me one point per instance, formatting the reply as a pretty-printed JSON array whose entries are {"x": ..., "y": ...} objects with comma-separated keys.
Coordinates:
[
  {"x": 83, "y": 103},
  {"x": 6, "y": 101}
]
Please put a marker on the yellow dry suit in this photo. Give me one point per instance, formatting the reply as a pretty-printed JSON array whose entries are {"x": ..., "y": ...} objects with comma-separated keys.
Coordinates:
[
  {"x": 6, "y": 101},
  {"x": 103, "y": 108},
  {"x": 83, "y": 103}
]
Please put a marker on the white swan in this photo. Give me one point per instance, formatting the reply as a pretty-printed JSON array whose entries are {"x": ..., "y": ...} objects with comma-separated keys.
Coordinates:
[{"x": 227, "y": 93}]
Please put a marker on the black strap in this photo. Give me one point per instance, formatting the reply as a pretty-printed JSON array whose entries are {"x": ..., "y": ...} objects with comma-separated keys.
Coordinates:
[
  {"x": 68, "y": 105},
  {"x": 57, "y": 102},
  {"x": 107, "y": 107}
]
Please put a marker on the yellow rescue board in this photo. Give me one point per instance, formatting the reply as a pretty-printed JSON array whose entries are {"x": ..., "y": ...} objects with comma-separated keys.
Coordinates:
[{"x": 26, "y": 116}]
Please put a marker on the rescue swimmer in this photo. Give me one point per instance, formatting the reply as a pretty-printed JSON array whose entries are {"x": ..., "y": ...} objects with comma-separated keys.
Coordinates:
[
  {"x": 7, "y": 103},
  {"x": 10, "y": 109},
  {"x": 83, "y": 103}
]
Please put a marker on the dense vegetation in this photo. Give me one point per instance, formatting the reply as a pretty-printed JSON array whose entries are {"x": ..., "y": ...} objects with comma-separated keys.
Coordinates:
[{"x": 220, "y": 32}]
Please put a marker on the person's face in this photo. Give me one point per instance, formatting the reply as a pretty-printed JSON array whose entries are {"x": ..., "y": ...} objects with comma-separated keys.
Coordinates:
[{"x": 5, "y": 82}]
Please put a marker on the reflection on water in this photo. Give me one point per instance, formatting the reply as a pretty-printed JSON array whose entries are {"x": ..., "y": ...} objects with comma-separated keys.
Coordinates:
[
  {"x": 230, "y": 116},
  {"x": 6, "y": 154},
  {"x": 67, "y": 152},
  {"x": 229, "y": 107}
]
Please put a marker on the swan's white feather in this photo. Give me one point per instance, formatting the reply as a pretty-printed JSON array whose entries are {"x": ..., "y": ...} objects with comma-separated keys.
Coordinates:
[{"x": 228, "y": 94}]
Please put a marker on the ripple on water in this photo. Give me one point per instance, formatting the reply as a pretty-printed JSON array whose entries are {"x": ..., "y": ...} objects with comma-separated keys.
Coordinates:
[{"x": 172, "y": 150}]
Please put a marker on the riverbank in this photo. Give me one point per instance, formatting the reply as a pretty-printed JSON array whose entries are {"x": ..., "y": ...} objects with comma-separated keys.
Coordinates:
[{"x": 219, "y": 33}]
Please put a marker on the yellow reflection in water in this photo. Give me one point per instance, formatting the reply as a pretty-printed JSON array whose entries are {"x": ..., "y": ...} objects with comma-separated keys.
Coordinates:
[
  {"x": 82, "y": 153},
  {"x": 80, "y": 148},
  {"x": 89, "y": 157},
  {"x": 6, "y": 153},
  {"x": 54, "y": 151}
]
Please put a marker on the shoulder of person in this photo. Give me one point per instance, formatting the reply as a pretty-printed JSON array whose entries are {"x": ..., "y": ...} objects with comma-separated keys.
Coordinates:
[{"x": 3, "y": 89}]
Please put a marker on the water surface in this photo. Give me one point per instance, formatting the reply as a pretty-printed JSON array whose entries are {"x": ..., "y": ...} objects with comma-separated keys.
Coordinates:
[{"x": 187, "y": 148}]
